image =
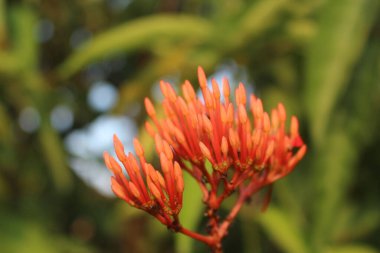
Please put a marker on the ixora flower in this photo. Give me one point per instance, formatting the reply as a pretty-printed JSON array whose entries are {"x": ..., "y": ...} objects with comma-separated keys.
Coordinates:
[
  {"x": 218, "y": 142},
  {"x": 147, "y": 189}
]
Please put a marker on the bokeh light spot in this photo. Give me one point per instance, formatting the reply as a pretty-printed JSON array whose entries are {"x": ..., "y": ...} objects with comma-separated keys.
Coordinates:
[
  {"x": 102, "y": 96},
  {"x": 61, "y": 118},
  {"x": 45, "y": 30},
  {"x": 29, "y": 119}
]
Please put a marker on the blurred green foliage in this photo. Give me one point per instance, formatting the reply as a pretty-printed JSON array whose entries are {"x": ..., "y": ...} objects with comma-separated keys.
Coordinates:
[{"x": 320, "y": 57}]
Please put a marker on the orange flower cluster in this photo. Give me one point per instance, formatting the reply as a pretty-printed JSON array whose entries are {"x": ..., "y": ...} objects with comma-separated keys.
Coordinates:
[
  {"x": 146, "y": 188},
  {"x": 224, "y": 135},
  {"x": 246, "y": 151}
]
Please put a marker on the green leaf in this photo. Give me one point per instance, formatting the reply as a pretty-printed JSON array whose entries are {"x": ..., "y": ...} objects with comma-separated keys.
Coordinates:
[
  {"x": 7, "y": 140},
  {"x": 9, "y": 64},
  {"x": 19, "y": 235},
  {"x": 184, "y": 57},
  {"x": 23, "y": 27},
  {"x": 3, "y": 32},
  {"x": 291, "y": 199},
  {"x": 256, "y": 19},
  {"x": 354, "y": 248},
  {"x": 136, "y": 88},
  {"x": 24, "y": 50},
  {"x": 6, "y": 132},
  {"x": 333, "y": 172},
  {"x": 55, "y": 157},
  {"x": 364, "y": 95},
  {"x": 287, "y": 235},
  {"x": 343, "y": 30},
  {"x": 250, "y": 231},
  {"x": 336, "y": 162},
  {"x": 136, "y": 34},
  {"x": 364, "y": 220}
]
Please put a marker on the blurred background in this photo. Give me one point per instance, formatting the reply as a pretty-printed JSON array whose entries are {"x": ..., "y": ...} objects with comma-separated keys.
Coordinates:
[{"x": 72, "y": 73}]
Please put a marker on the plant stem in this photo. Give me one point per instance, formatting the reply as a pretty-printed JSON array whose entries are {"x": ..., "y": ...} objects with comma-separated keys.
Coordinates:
[
  {"x": 3, "y": 32},
  {"x": 231, "y": 216},
  {"x": 203, "y": 238}
]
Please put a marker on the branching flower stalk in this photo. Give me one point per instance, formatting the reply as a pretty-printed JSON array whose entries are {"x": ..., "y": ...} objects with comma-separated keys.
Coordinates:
[{"x": 246, "y": 153}]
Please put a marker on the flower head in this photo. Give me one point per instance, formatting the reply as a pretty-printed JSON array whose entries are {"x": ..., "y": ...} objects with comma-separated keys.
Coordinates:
[
  {"x": 159, "y": 194},
  {"x": 225, "y": 146},
  {"x": 238, "y": 136}
]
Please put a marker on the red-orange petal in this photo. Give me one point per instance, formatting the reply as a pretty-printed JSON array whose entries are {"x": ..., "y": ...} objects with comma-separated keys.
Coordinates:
[
  {"x": 226, "y": 87},
  {"x": 164, "y": 163},
  {"x": 188, "y": 91},
  {"x": 134, "y": 190},
  {"x": 205, "y": 151},
  {"x": 224, "y": 146},
  {"x": 149, "y": 107},
  {"x": 115, "y": 166},
  {"x": 215, "y": 89},
  {"x": 154, "y": 190},
  {"x": 266, "y": 122},
  {"x": 138, "y": 148},
  {"x": 149, "y": 128},
  {"x": 257, "y": 108},
  {"x": 119, "y": 148},
  {"x": 119, "y": 190},
  {"x": 281, "y": 112},
  {"x": 202, "y": 78},
  {"x": 242, "y": 114},
  {"x": 178, "y": 178},
  {"x": 294, "y": 127},
  {"x": 107, "y": 161},
  {"x": 275, "y": 119},
  {"x": 297, "y": 157},
  {"x": 168, "y": 151}
]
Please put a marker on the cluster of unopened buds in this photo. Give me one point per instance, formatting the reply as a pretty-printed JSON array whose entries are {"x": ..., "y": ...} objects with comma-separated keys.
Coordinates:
[{"x": 245, "y": 152}]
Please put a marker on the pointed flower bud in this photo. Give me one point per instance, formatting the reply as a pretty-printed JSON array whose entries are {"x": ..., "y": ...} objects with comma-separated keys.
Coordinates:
[
  {"x": 138, "y": 148},
  {"x": 242, "y": 114},
  {"x": 134, "y": 190},
  {"x": 281, "y": 112},
  {"x": 149, "y": 128},
  {"x": 119, "y": 148},
  {"x": 224, "y": 146},
  {"x": 202, "y": 78},
  {"x": 149, "y": 108},
  {"x": 215, "y": 89},
  {"x": 178, "y": 178},
  {"x": 266, "y": 122},
  {"x": 145, "y": 187},
  {"x": 205, "y": 151},
  {"x": 226, "y": 88}
]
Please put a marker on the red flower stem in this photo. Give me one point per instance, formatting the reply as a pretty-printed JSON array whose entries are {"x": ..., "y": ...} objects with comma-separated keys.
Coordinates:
[
  {"x": 228, "y": 188},
  {"x": 203, "y": 238},
  {"x": 213, "y": 224},
  {"x": 234, "y": 211}
]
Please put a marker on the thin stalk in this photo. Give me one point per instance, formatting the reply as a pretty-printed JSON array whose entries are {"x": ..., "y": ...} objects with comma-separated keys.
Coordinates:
[
  {"x": 232, "y": 215},
  {"x": 3, "y": 31},
  {"x": 203, "y": 238}
]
